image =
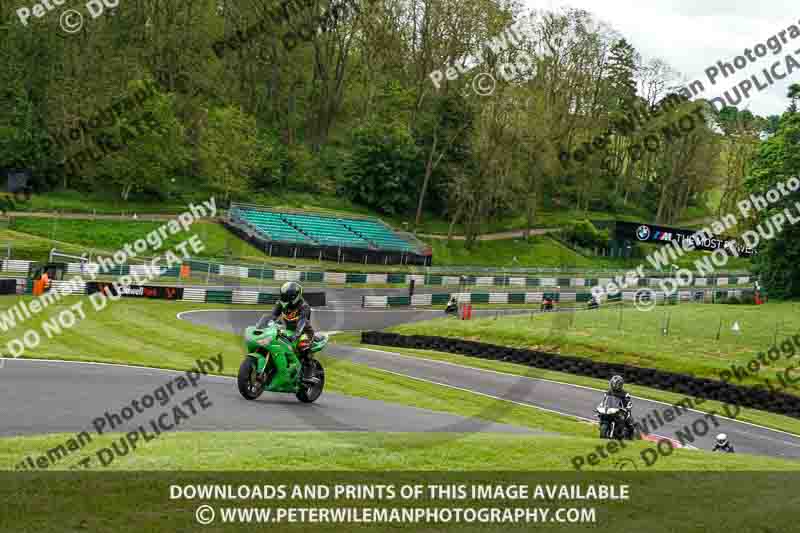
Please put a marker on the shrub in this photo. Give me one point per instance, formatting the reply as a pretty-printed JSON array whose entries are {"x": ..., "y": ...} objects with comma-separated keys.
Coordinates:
[{"x": 584, "y": 233}]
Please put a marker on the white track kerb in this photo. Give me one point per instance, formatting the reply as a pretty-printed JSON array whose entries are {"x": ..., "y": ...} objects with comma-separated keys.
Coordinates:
[
  {"x": 17, "y": 314},
  {"x": 667, "y": 254}
]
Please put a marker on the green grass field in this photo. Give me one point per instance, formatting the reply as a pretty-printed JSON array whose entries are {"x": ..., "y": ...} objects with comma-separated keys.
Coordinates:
[
  {"x": 626, "y": 335},
  {"x": 33, "y": 238},
  {"x": 222, "y": 451},
  {"x": 70, "y": 201},
  {"x": 148, "y": 333},
  {"x": 771, "y": 420},
  {"x": 102, "y": 203},
  {"x": 112, "y": 235}
]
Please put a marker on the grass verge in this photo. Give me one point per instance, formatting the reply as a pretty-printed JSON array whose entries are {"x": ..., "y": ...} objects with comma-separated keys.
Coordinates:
[
  {"x": 626, "y": 335},
  {"x": 380, "y": 452},
  {"x": 753, "y": 416},
  {"x": 147, "y": 333}
]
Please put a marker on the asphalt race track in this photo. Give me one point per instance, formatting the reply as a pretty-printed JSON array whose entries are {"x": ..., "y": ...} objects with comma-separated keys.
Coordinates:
[
  {"x": 54, "y": 397},
  {"x": 559, "y": 397},
  {"x": 65, "y": 397}
]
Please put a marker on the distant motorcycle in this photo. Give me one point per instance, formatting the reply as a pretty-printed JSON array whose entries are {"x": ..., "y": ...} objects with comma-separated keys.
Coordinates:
[
  {"x": 613, "y": 416},
  {"x": 452, "y": 308}
]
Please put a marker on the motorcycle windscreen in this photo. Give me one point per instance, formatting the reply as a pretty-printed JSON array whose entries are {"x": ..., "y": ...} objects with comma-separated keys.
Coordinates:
[
  {"x": 613, "y": 402},
  {"x": 320, "y": 342}
]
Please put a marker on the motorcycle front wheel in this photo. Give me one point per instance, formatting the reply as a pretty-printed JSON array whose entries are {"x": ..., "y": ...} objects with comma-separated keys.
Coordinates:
[
  {"x": 604, "y": 430},
  {"x": 249, "y": 385},
  {"x": 310, "y": 393}
]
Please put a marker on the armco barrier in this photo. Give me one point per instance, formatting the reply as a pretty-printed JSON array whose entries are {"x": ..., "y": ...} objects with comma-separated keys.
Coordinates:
[
  {"x": 781, "y": 403},
  {"x": 203, "y": 268},
  {"x": 502, "y": 298}
]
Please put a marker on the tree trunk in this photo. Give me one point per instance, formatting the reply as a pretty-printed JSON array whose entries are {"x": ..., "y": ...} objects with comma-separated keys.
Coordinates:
[
  {"x": 428, "y": 172},
  {"x": 453, "y": 222},
  {"x": 530, "y": 213}
]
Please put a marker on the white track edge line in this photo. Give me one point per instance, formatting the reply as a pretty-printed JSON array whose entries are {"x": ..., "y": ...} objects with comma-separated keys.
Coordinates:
[
  {"x": 584, "y": 387},
  {"x": 584, "y": 419}
]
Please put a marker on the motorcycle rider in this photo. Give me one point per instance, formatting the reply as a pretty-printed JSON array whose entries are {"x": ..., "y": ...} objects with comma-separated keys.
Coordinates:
[
  {"x": 296, "y": 314},
  {"x": 723, "y": 444},
  {"x": 616, "y": 388},
  {"x": 452, "y": 305}
]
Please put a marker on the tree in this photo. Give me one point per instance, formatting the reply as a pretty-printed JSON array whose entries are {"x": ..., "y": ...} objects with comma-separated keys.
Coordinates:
[
  {"x": 383, "y": 169},
  {"x": 794, "y": 96},
  {"x": 777, "y": 262},
  {"x": 141, "y": 152},
  {"x": 229, "y": 150},
  {"x": 445, "y": 134}
]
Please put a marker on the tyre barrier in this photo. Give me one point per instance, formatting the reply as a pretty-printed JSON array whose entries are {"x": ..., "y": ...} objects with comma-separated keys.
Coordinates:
[{"x": 756, "y": 398}]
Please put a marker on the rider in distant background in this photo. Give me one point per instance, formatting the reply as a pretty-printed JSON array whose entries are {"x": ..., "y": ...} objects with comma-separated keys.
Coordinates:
[
  {"x": 296, "y": 314},
  {"x": 723, "y": 444},
  {"x": 452, "y": 305},
  {"x": 616, "y": 388}
]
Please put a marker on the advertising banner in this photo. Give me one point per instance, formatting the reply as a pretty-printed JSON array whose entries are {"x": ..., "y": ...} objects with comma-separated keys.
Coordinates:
[
  {"x": 136, "y": 291},
  {"x": 636, "y": 231}
]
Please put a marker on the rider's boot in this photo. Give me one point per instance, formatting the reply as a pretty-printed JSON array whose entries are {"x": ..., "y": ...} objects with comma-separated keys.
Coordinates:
[{"x": 308, "y": 369}]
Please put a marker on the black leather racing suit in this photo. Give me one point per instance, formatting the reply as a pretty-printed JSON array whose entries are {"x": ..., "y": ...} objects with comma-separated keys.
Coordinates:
[
  {"x": 627, "y": 402},
  {"x": 727, "y": 448},
  {"x": 298, "y": 319}
]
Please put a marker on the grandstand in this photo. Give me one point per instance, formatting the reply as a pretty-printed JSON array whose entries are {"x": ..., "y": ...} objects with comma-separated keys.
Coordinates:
[{"x": 306, "y": 234}]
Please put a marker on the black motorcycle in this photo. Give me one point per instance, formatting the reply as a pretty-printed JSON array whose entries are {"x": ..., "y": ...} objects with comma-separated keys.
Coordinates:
[
  {"x": 452, "y": 308},
  {"x": 613, "y": 419}
]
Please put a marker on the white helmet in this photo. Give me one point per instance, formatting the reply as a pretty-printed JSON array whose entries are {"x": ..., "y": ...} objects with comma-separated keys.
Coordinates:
[{"x": 722, "y": 439}]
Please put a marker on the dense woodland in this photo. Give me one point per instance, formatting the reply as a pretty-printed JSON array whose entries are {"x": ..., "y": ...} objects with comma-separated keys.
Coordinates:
[{"x": 349, "y": 109}]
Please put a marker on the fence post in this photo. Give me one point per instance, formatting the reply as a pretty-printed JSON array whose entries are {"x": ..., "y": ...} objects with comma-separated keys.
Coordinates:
[
  {"x": 261, "y": 281},
  {"x": 208, "y": 273}
]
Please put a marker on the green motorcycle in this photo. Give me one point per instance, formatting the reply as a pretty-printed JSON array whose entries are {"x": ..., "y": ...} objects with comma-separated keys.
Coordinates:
[{"x": 272, "y": 364}]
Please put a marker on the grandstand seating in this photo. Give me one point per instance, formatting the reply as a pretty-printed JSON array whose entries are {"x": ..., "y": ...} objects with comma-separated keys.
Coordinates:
[
  {"x": 326, "y": 231},
  {"x": 310, "y": 228},
  {"x": 273, "y": 225},
  {"x": 377, "y": 233}
]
